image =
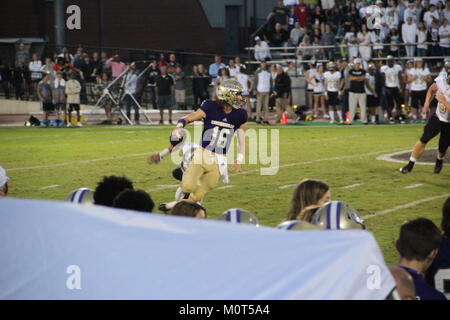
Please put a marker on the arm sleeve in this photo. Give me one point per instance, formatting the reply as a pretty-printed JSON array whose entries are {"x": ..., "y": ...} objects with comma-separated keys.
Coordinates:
[{"x": 205, "y": 106}]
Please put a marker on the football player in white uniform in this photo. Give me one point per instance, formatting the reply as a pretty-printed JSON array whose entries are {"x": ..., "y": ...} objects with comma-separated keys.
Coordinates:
[
  {"x": 393, "y": 84},
  {"x": 332, "y": 83},
  {"x": 439, "y": 122}
]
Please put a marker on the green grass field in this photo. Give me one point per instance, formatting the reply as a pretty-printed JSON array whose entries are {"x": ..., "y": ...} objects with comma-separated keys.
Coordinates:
[{"x": 51, "y": 163}]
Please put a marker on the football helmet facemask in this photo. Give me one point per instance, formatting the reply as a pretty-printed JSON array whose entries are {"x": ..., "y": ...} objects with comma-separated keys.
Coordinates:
[
  {"x": 337, "y": 215},
  {"x": 230, "y": 91},
  {"x": 236, "y": 215},
  {"x": 81, "y": 196}
]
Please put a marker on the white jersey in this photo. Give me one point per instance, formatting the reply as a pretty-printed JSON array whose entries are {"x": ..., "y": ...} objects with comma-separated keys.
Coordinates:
[
  {"x": 443, "y": 87},
  {"x": 242, "y": 78},
  {"x": 318, "y": 81},
  {"x": 332, "y": 80},
  {"x": 408, "y": 72},
  {"x": 418, "y": 84},
  {"x": 391, "y": 75},
  {"x": 371, "y": 82},
  {"x": 311, "y": 73}
]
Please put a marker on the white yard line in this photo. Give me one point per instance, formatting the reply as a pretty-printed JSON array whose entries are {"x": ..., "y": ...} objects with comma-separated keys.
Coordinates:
[
  {"x": 406, "y": 205},
  {"x": 287, "y": 186},
  {"x": 352, "y": 186},
  {"x": 225, "y": 187},
  {"x": 49, "y": 187},
  {"x": 163, "y": 187},
  {"x": 414, "y": 186}
]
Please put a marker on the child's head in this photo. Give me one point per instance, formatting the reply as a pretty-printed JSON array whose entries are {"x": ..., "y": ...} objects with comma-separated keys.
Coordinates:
[
  {"x": 105, "y": 77},
  {"x": 59, "y": 75}
]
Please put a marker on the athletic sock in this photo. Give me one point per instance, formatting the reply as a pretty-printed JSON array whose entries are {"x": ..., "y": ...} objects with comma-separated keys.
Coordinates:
[
  {"x": 412, "y": 159},
  {"x": 439, "y": 158},
  {"x": 331, "y": 115},
  {"x": 340, "y": 115}
]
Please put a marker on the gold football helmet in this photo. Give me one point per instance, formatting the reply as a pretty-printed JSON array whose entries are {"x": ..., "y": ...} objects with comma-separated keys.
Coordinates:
[
  {"x": 236, "y": 215},
  {"x": 297, "y": 225},
  {"x": 229, "y": 91},
  {"x": 337, "y": 215},
  {"x": 81, "y": 196}
]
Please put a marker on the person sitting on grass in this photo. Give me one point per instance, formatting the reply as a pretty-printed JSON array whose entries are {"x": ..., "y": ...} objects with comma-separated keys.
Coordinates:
[
  {"x": 73, "y": 89},
  {"x": 189, "y": 209},
  {"x": 109, "y": 188},
  {"x": 138, "y": 200}
]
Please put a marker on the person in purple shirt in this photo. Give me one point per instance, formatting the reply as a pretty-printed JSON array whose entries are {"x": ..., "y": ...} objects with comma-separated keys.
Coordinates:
[
  {"x": 222, "y": 119},
  {"x": 418, "y": 245},
  {"x": 438, "y": 274}
]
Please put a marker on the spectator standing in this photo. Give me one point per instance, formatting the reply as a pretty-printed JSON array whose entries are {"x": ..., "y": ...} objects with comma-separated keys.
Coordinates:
[
  {"x": 200, "y": 86},
  {"x": 232, "y": 68},
  {"x": 364, "y": 40},
  {"x": 116, "y": 65},
  {"x": 239, "y": 65},
  {"x": 106, "y": 102},
  {"x": 418, "y": 245},
  {"x": 73, "y": 89},
  {"x": 263, "y": 86},
  {"x": 172, "y": 65},
  {"x": 431, "y": 16},
  {"x": 317, "y": 16},
  {"x": 45, "y": 94},
  {"x": 59, "y": 95},
  {"x": 335, "y": 19},
  {"x": 434, "y": 48},
  {"x": 262, "y": 51},
  {"x": 377, "y": 39},
  {"x": 422, "y": 38},
  {"x": 357, "y": 93},
  {"x": 302, "y": 13},
  {"x": 247, "y": 87},
  {"x": 130, "y": 92},
  {"x": 214, "y": 68},
  {"x": 279, "y": 14},
  {"x": 447, "y": 10},
  {"x": 292, "y": 18},
  {"x": 5, "y": 76},
  {"x": 409, "y": 35},
  {"x": 153, "y": 75},
  {"x": 390, "y": 21},
  {"x": 164, "y": 91},
  {"x": 328, "y": 39},
  {"x": 162, "y": 61},
  {"x": 350, "y": 38},
  {"x": 88, "y": 79},
  {"x": 444, "y": 36},
  {"x": 22, "y": 55},
  {"x": 19, "y": 80},
  {"x": 180, "y": 88},
  {"x": 97, "y": 62},
  {"x": 319, "y": 90},
  {"x": 36, "y": 74},
  {"x": 282, "y": 92},
  {"x": 394, "y": 40}
]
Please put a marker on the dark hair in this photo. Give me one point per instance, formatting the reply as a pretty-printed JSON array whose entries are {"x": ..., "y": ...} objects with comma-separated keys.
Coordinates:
[
  {"x": 109, "y": 188},
  {"x": 445, "y": 224},
  {"x": 138, "y": 200},
  {"x": 187, "y": 209},
  {"x": 307, "y": 193},
  {"x": 418, "y": 238}
]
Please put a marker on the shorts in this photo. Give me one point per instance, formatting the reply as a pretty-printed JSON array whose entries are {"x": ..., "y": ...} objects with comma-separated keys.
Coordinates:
[
  {"x": 372, "y": 101},
  {"x": 73, "y": 106},
  {"x": 431, "y": 129},
  {"x": 48, "y": 106},
  {"x": 60, "y": 106},
  {"x": 391, "y": 95},
  {"x": 164, "y": 102},
  {"x": 417, "y": 96},
  {"x": 317, "y": 94},
  {"x": 333, "y": 98},
  {"x": 309, "y": 90},
  {"x": 180, "y": 96}
]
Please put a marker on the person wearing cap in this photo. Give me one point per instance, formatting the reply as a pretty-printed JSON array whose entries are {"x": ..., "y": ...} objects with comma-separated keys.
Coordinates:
[
  {"x": 357, "y": 94},
  {"x": 418, "y": 79},
  {"x": 262, "y": 51},
  {"x": 409, "y": 34},
  {"x": 3, "y": 182},
  {"x": 392, "y": 80}
]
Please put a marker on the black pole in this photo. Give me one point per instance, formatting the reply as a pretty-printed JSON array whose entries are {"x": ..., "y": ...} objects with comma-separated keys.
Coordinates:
[
  {"x": 101, "y": 36},
  {"x": 245, "y": 24},
  {"x": 60, "y": 26}
]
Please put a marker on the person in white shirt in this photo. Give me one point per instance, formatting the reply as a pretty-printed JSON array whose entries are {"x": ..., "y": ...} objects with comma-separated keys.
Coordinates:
[
  {"x": 418, "y": 78},
  {"x": 309, "y": 76},
  {"x": 409, "y": 34},
  {"x": 130, "y": 91},
  {"x": 263, "y": 86},
  {"x": 247, "y": 87},
  {"x": 392, "y": 82},
  {"x": 364, "y": 41},
  {"x": 318, "y": 90},
  {"x": 232, "y": 68},
  {"x": 36, "y": 74},
  {"x": 332, "y": 82},
  {"x": 262, "y": 51},
  {"x": 350, "y": 38},
  {"x": 377, "y": 39},
  {"x": 447, "y": 10},
  {"x": 422, "y": 36},
  {"x": 431, "y": 16},
  {"x": 444, "y": 36}
]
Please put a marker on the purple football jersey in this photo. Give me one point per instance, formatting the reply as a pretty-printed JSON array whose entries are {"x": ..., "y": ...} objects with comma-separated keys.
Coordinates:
[
  {"x": 219, "y": 127},
  {"x": 442, "y": 261},
  {"x": 423, "y": 290}
]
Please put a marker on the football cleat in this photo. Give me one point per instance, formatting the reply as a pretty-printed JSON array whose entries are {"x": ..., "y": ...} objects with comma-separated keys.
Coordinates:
[
  {"x": 438, "y": 166},
  {"x": 337, "y": 215},
  {"x": 236, "y": 215},
  {"x": 406, "y": 169},
  {"x": 297, "y": 225},
  {"x": 81, "y": 196},
  {"x": 229, "y": 91}
]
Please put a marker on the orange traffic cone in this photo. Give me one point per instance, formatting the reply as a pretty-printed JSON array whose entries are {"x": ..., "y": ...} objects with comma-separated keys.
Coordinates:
[
  {"x": 347, "y": 116},
  {"x": 283, "y": 118}
]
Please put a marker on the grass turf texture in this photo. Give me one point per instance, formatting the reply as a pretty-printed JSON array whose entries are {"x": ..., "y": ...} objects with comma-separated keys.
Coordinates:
[{"x": 37, "y": 158}]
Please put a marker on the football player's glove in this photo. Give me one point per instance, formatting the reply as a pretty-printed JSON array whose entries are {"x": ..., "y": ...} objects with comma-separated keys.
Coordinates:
[
  {"x": 297, "y": 225},
  {"x": 236, "y": 215},
  {"x": 229, "y": 91},
  {"x": 81, "y": 196},
  {"x": 177, "y": 136},
  {"x": 337, "y": 215}
]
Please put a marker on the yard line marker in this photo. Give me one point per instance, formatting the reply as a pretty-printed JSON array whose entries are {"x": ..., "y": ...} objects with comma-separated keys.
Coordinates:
[
  {"x": 287, "y": 186},
  {"x": 414, "y": 186},
  {"x": 164, "y": 186},
  {"x": 225, "y": 187},
  {"x": 404, "y": 206},
  {"x": 352, "y": 186},
  {"x": 48, "y": 187}
]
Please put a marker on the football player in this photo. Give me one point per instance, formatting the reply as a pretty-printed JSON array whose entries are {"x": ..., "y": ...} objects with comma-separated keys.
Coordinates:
[
  {"x": 223, "y": 117},
  {"x": 392, "y": 83},
  {"x": 439, "y": 122},
  {"x": 333, "y": 81}
]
